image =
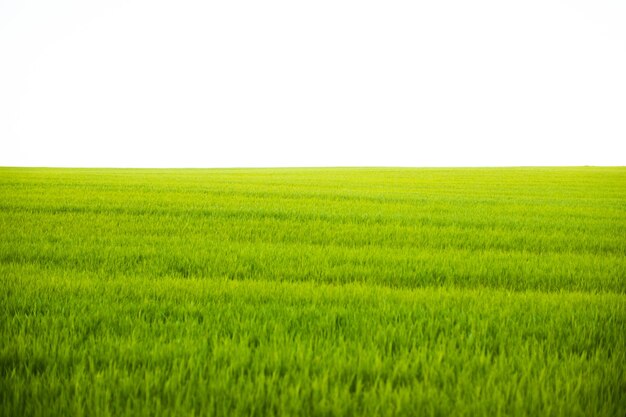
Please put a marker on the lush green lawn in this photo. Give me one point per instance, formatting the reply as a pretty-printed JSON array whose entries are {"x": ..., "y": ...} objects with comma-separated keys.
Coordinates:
[{"x": 313, "y": 292}]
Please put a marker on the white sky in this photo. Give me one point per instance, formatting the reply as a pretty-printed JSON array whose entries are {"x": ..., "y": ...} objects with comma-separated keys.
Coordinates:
[{"x": 312, "y": 83}]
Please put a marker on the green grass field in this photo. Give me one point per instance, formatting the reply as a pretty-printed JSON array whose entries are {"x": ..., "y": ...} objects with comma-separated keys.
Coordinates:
[{"x": 314, "y": 292}]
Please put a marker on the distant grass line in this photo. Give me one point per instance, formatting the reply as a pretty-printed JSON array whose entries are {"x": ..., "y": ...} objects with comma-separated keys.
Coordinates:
[
  {"x": 397, "y": 227},
  {"x": 314, "y": 292}
]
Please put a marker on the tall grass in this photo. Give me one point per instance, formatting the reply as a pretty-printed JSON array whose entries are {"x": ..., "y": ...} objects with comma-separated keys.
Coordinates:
[{"x": 313, "y": 292}]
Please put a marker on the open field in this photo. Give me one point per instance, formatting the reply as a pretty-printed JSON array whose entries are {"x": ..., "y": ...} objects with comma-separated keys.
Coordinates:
[{"x": 330, "y": 292}]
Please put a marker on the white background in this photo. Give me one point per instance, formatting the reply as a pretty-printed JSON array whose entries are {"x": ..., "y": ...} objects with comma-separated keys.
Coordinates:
[{"x": 312, "y": 83}]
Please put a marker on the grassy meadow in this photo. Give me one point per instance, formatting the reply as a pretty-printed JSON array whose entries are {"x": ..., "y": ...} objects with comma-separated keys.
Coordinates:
[{"x": 313, "y": 292}]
